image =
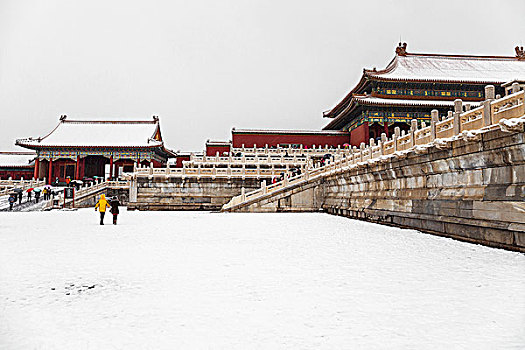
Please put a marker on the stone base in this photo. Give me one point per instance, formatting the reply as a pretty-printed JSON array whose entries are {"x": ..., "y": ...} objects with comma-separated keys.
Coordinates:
[{"x": 467, "y": 232}]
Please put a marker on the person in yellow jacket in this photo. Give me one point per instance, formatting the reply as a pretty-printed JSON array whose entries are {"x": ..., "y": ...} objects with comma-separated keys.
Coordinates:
[{"x": 102, "y": 204}]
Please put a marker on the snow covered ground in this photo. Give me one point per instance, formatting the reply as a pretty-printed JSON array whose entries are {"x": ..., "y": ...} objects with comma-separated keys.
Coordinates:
[{"x": 187, "y": 280}]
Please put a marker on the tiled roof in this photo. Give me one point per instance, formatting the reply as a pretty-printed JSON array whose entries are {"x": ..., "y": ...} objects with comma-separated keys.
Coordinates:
[
  {"x": 17, "y": 159},
  {"x": 269, "y": 131},
  {"x": 369, "y": 100},
  {"x": 452, "y": 68},
  {"x": 414, "y": 67},
  {"x": 92, "y": 133}
]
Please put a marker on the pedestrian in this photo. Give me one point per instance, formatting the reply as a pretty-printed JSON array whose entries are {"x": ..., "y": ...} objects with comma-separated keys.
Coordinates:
[
  {"x": 37, "y": 196},
  {"x": 102, "y": 204},
  {"x": 19, "y": 197},
  {"x": 29, "y": 194},
  {"x": 12, "y": 200},
  {"x": 44, "y": 192},
  {"x": 114, "y": 208}
]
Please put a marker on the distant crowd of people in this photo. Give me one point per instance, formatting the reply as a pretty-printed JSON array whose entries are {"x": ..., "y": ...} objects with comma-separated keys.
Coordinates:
[{"x": 18, "y": 194}]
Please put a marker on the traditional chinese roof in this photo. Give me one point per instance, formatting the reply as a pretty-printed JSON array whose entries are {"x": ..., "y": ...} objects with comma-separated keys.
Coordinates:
[
  {"x": 375, "y": 101},
  {"x": 368, "y": 100},
  {"x": 96, "y": 133},
  {"x": 438, "y": 68},
  {"x": 17, "y": 159},
  {"x": 218, "y": 143},
  {"x": 451, "y": 69},
  {"x": 286, "y": 132}
]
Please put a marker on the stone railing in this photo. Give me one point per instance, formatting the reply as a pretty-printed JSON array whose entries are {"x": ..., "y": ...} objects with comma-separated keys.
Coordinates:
[
  {"x": 7, "y": 185},
  {"x": 91, "y": 188},
  {"x": 228, "y": 171},
  {"x": 315, "y": 151},
  {"x": 507, "y": 113},
  {"x": 250, "y": 159},
  {"x": 94, "y": 187}
]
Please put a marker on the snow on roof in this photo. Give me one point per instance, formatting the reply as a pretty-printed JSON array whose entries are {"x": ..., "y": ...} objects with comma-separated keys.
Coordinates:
[
  {"x": 266, "y": 131},
  {"x": 452, "y": 68},
  {"x": 218, "y": 143},
  {"x": 17, "y": 158},
  {"x": 369, "y": 100},
  {"x": 71, "y": 133}
]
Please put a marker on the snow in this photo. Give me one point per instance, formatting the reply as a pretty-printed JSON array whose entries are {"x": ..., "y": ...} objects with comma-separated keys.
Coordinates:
[
  {"x": 468, "y": 69},
  {"x": 281, "y": 131},
  {"x": 195, "y": 280},
  {"x": 99, "y": 133},
  {"x": 16, "y": 158}
]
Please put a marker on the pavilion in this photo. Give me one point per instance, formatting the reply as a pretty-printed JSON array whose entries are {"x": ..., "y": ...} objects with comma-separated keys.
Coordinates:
[
  {"x": 81, "y": 149},
  {"x": 16, "y": 165},
  {"x": 413, "y": 84}
]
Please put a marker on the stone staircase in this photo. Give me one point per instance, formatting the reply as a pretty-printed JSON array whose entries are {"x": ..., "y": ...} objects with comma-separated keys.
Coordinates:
[{"x": 506, "y": 114}]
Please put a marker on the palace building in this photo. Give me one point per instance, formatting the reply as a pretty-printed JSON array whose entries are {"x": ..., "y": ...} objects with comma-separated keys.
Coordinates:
[
  {"x": 413, "y": 84},
  {"x": 288, "y": 138},
  {"x": 81, "y": 149},
  {"x": 16, "y": 165}
]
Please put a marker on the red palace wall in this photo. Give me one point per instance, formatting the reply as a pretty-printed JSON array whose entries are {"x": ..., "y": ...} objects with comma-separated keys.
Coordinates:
[
  {"x": 179, "y": 160},
  {"x": 27, "y": 174},
  {"x": 249, "y": 140},
  {"x": 360, "y": 134},
  {"x": 212, "y": 150}
]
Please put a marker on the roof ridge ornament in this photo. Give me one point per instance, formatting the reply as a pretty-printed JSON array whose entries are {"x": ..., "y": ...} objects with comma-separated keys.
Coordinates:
[
  {"x": 520, "y": 53},
  {"x": 401, "y": 49},
  {"x": 63, "y": 117}
]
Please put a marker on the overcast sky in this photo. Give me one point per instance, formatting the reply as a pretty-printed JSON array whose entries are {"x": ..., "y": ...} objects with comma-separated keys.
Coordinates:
[{"x": 206, "y": 66}]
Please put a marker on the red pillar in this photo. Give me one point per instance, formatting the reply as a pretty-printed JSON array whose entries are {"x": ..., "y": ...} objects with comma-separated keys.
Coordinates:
[
  {"x": 367, "y": 133},
  {"x": 37, "y": 162},
  {"x": 50, "y": 175},
  {"x": 83, "y": 172},
  {"x": 386, "y": 128},
  {"x": 110, "y": 167},
  {"x": 77, "y": 170}
]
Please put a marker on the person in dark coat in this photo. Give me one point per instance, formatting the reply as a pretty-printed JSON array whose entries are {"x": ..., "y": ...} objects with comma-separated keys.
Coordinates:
[
  {"x": 12, "y": 200},
  {"x": 114, "y": 209},
  {"x": 37, "y": 196},
  {"x": 29, "y": 194},
  {"x": 20, "y": 197}
]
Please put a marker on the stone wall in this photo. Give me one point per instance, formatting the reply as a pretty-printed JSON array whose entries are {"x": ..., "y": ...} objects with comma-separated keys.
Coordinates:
[
  {"x": 190, "y": 193},
  {"x": 474, "y": 191},
  {"x": 470, "y": 190}
]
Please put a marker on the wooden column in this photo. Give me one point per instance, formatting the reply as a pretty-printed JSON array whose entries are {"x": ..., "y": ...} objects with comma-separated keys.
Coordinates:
[
  {"x": 50, "y": 172},
  {"x": 77, "y": 169},
  {"x": 37, "y": 163},
  {"x": 385, "y": 126},
  {"x": 83, "y": 172},
  {"x": 111, "y": 167}
]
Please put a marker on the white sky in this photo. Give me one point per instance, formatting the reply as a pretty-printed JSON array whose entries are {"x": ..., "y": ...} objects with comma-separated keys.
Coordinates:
[{"x": 206, "y": 66}]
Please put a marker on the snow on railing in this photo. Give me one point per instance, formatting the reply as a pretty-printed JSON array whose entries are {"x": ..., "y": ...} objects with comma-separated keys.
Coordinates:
[
  {"x": 315, "y": 150},
  {"x": 247, "y": 159},
  {"x": 6, "y": 186},
  {"x": 508, "y": 107},
  {"x": 227, "y": 170},
  {"x": 90, "y": 188},
  {"x": 508, "y": 112}
]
